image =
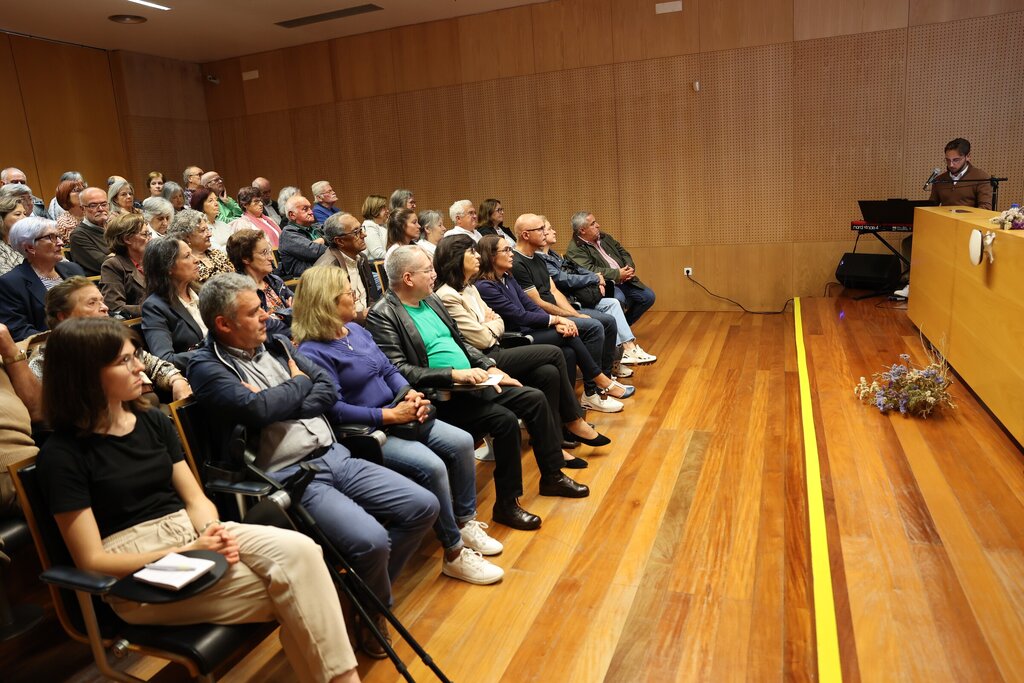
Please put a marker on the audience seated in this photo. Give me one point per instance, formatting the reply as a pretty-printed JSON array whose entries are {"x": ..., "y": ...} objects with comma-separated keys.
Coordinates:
[
  {"x": 402, "y": 199},
  {"x": 15, "y": 176},
  {"x": 171, "y": 322},
  {"x": 302, "y": 240},
  {"x": 415, "y": 332},
  {"x": 207, "y": 203},
  {"x": 344, "y": 235},
  {"x": 248, "y": 377},
  {"x": 155, "y": 183},
  {"x": 175, "y": 194},
  {"x": 251, "y": 255},
  {"x": 375, "y": 222},
  {"x": 158, "y": 212},
  {"x": 464, "y": 217},
  {"x": 123, "y": 496},
  {"x": 502, "y": 293},
  {"x": 271, "y": 209},
  {"x": 492, "y": 220},
  {"x": 11, "y": 211},
  {"x": 588, "y": 288},
  {"x": 372, "y": 391},
  {"x": 431, "y": 230},
  {"x": 88, "y": 245},
  {"x": 229, "y": 209},
  {"x": 122, "y": 283},
  {"x": 598, "y": 251},
  {"x": 325, "y": 199},
  {"x": 121, "y": 196},
  {"x": 55, "y": 210},
  {"x": 254, "y": 216},
  {"x": 20, "y": 406},
  {"x": 78, "y": 297},
  {"x": 192, "y": 228},
  {"x": 23, "y": 289},
  {"x": 191, "y": 177},
  {"x": 69, "y": 203},
  {"x": 403, "y": 230},
  {"x": 538, "y": 365}
]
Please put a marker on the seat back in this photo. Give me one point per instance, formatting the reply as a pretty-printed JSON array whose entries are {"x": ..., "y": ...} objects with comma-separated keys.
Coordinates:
[
  {"x": 382, "y": 276},
  {"x": 54, "y": 552}
]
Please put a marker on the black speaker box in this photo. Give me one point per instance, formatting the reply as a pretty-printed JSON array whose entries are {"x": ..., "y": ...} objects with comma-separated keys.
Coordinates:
[{"x": 868, "y": 271}]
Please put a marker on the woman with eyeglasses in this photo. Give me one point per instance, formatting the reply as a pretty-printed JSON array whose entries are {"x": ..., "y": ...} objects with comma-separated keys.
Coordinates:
[
  {"x": 123, "y": 496},
  {"x": 11, "y": 211},
  {"x": 492, "y": 220},
  {"x": 251, "y": 201},
  {"x": 541, "y": 366},
  {"x": 73, "y": 213},
  {"x": 250, "y": 254},
  {"x": 23, "y": 289},
  {"x": 122, "y": 279},
  {"x": 375, "y": 222},
  {"x": 194, "y": 229}
]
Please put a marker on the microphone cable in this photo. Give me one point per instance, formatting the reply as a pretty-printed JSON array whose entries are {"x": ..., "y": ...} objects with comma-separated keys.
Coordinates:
[{"x": 737, "y": 303}]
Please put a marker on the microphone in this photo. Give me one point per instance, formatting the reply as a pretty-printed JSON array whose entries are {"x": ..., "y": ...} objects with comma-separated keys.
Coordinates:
[{"x": 935, "y": 174}]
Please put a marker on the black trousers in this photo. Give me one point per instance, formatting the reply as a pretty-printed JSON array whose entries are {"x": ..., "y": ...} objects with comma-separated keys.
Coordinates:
[
  {"x": 542, "y": 366},
  {"x": 498, "y": 414}
]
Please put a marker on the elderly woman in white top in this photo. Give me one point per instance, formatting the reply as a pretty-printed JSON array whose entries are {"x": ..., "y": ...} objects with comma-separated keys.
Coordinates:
[
  {"x": 157, "y": 213},
  {"x": 431, "y": 230},
  {"x": 375, "y": 223}
]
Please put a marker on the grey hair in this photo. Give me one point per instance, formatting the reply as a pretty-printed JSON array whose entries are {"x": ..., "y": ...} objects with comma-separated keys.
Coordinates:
[
  {"x": 578, "y": 220},
  {"x": 25, "y": 231},
  {"x": 6, "y": 172},
  {"x": 184, "y": 223},
  {"x": 318, "y": 188},
  {"x": 170, "y": 188},
  {"x": 116, "y": 187},
  {"x": 459, "y": 208},
  {"x": 156, "y": 206},
  {"x": 428, "y": 219},
  {"x": 15, "y": 190},
  {"x": 219, "y": 296},
  {"x": 71, "y": 175},
  {"x": 401, "y": 261},
  {"x": 399, "y": 198},
  {"x": 285, "y": 194},
  {"x": 185, "y": 174},
  {"x": 289, "y": 204},
  {"x": 333, "y": 227}
]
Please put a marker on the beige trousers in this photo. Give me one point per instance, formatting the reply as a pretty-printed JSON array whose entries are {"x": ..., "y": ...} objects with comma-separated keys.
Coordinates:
[{"x": 280, "y": 576}]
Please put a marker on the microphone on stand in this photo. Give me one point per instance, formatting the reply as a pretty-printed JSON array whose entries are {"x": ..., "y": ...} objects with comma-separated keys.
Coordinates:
[{"x": 935, "y": 174}]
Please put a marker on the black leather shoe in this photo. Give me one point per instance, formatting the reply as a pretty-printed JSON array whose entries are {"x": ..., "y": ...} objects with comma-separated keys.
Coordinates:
[
  {"x": 563, "y": 486},
  {"x": 596, "y": 442},
  {"x": 575, "y": 464},
  {"x": 368, "y": 642},
  {"x": 569, "y": 442},
  {"x": 509, "y": 513}
]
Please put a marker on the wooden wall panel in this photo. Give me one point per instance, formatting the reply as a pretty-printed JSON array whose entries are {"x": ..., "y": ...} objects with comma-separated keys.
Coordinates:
[
  {"x": 225, "y": 99},
  {"x": 436, "y": 158},
  {"x": 569, "y": 34},
  {"x": 269, "y": 148},
  {"x": 298, "y": 76},
  {"x": 166, "y": 145},
  {"x": 660, "y": 181},
  {"x": 728, "y": 24},
  {"x": 316, "y": 146},
  {"x": 17, "y": 138},
  {"x": 824, "y": 18},
  {"x": 579, "y": 158},
  {"x": 156, "y": 87},
  {"x": 503, "y": 146},
  {"x": 936, "y": 11},
  {"x": 231, "y": 148},
  {"x": 984, "y": 107},
  {"x": 426, "y": 55},
  {"x": 840, "y": 85},
  {"x": 371, "y": 157},
  {"x": 87, "y": 137},
  {"x": 639, "y": 33},
  {"x": 363, "y": 65},
  {"x": 746, "y": 129},
  {"x": 496, "y": 44}
]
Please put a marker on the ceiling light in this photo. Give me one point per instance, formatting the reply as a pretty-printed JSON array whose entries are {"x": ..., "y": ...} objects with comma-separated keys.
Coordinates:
[
  {"x": 149, "y": 4},
  {"x": 127, "y": 19}
]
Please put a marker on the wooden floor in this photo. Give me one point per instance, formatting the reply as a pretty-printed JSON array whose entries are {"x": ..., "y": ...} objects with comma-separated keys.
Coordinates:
[{"x": 690, "y": 560}]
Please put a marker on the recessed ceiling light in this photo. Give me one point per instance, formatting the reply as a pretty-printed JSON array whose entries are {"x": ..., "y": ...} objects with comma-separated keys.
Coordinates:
[
  {"x": 127, "y": 19},
  {"x": 149, "y": 4}
]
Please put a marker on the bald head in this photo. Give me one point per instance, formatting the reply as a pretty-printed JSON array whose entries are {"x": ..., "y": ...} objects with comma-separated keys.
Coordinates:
[
  {"x": 212, "y": 181},
  {"x": 525, "y": 223}
]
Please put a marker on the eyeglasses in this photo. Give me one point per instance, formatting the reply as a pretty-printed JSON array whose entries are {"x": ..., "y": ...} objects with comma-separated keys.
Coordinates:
[
  {"x": 505, "y": 250},
  {"x": 531, "y": 229},
  {"x": 357, "y": 231},
  {"x": 126, "y": 360},
  {"x": 349, "y": 292},
  {"x": 425, "y": 270},
  {"x": 96, "y": 205},
  {"x": 258, "y": 200},
  {"x": 52, "y": 237},
  {"x": 16, "y": 182},
  {"x": 265, "y": 252}
]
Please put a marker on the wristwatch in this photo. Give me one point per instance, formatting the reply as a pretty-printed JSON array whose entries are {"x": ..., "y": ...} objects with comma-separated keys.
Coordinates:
[{"x": 7, "y": 360}]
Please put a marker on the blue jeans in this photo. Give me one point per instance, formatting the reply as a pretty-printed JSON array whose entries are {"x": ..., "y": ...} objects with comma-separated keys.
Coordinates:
[
  {"x": 443, "y": 464},
  {"x": 351, "y": 500},
  {"x": 636, "y": 300},
  {"x": 611, "y": 306}
]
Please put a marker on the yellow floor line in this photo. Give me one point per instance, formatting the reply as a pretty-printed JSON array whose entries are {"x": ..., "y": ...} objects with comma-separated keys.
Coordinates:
[{"x": 821, "y": 573}]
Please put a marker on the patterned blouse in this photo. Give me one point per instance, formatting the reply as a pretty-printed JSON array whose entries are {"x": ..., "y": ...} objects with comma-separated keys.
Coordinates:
[
  {"x": 9, "y": 259},
  {"x": 211, "y": 262},
  {"x": 65, "y": 224}
]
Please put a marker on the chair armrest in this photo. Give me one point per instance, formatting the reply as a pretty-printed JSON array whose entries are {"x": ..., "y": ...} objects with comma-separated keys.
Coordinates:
[
  {"x": 74, "y": 579},
  {"x": 362, "y": 441},
  {"x": 511, "y": 340},
  {"x": 244, "y": 488}
]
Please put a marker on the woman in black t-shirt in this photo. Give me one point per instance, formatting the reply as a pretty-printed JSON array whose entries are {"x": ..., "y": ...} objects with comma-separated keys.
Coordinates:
[{"x": 123, "y": 496}]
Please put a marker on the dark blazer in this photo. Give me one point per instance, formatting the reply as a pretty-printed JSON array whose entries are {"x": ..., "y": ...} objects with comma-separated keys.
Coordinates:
[
  {"x": 23, "y": 298},
  {"x": 89, "y": 247},
  {"x": 297, "y": 250},
  {"x": 170, "y": 330},
  {"x": 587, "y": 256},
  {"x": 123, "y": 286},
  {"x": 396, "y": 335}
]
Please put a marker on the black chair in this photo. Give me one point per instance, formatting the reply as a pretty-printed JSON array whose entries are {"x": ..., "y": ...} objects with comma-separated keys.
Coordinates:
[
  {"x": 202, "y": 649},
  {"x": 382, "y": 276},
  {"x": 15, "y": 620}
]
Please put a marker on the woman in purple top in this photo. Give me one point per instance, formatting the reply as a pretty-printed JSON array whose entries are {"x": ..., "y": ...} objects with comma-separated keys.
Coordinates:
[
  {"x": 501, "y": 292},
  {"x": 368, "y": 386}
]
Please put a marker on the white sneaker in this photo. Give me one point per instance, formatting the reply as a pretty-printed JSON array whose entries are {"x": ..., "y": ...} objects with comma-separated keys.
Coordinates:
[
  {"x": 621, "y": 370},
  {"x": 602, "y": 404},
  {"x": 637, "y": 356},
  {"x": 470, "y": 566},
  {"x": 905, "y": 292},
  {"x": 474, "y": 536},
  {"x": 486, "y": 452}
]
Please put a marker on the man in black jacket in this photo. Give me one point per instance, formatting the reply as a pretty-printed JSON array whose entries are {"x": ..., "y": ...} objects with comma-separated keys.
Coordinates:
[
  {"x": 302, "y": 239},
  {"x": 415, "y": 332}
]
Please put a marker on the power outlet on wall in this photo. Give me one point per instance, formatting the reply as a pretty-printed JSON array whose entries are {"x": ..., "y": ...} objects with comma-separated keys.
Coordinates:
[{"x": 688, "y": 271}]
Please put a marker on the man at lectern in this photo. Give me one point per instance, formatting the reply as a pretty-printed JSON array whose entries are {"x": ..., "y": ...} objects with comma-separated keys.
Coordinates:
[{"x": 963, "y": 184}]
